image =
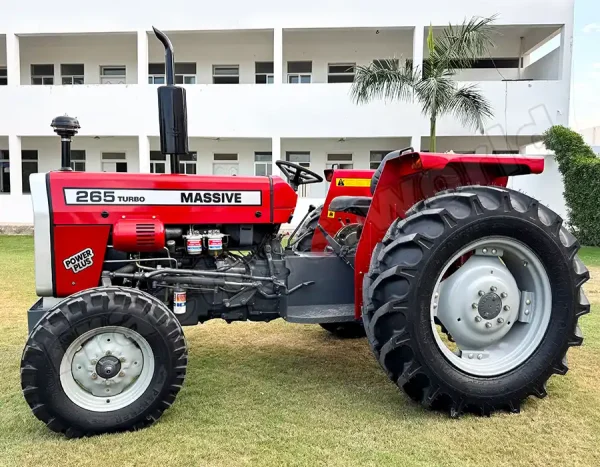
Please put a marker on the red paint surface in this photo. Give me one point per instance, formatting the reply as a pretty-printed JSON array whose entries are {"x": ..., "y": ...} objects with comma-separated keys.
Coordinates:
[{"x": 332, "y": 225}]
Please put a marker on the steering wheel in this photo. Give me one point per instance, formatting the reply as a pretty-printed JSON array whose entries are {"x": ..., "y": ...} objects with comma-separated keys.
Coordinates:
[{"x": 298, "y": 175}]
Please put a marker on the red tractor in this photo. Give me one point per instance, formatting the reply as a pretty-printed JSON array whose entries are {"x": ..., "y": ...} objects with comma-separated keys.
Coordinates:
[{"x": 469, "y": 292}]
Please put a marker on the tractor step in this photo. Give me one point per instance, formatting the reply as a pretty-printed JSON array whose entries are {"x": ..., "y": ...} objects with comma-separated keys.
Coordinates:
[{"x": 314, "y": 314}]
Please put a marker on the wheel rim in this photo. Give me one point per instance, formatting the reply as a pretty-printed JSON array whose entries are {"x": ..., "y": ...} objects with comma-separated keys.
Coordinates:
[
  {"x": 107, "y": 368},
  {"x": 496, "y": 306}
]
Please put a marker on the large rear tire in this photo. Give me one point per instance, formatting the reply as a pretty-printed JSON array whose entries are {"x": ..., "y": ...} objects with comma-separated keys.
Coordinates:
[
  {"x": 416, "y": 264},
  {"x": 104, "y": 360},
  {"x": 306, "y": 232}
]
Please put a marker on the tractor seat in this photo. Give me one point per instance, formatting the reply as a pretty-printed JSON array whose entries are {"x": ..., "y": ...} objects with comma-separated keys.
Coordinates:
[{"x": 358, "y": 205}]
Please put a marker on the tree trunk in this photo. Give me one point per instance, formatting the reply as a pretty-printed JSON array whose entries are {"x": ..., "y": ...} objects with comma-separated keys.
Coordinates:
[{"x": 432, "y": 141}]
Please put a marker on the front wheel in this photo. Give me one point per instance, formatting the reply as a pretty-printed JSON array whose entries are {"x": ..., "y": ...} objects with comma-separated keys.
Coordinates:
[
  {"x": 494, "y": 270},
  {"x": 104, "y": 360}
]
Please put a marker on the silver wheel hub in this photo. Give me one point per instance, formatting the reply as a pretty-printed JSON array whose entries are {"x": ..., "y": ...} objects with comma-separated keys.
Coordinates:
[
  {"x": 107, "y": 368},
  {"x": 462, "y": 290},
  {"x": 495, "y": 305}
]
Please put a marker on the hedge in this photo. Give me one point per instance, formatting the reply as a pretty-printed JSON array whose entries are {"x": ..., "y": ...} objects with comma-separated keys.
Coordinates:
[{"x": 580, "y": 168}]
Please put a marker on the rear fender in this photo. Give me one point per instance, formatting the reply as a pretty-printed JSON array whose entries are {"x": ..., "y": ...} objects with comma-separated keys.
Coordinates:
[
  {"x": 344, "y": 182},
  {"x": 410, "y": 178}
]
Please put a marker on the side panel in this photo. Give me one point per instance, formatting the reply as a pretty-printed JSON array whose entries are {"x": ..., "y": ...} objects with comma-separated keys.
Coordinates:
[
  {"x": 42, "y": 234},
  {"x": 410, "y": 178},
  {"x": 343, "y": 183},
  {"x": 78, "y": 256}
]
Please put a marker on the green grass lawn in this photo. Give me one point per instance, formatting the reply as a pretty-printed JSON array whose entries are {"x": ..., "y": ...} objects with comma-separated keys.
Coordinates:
[{"x": 283, "y": 394}]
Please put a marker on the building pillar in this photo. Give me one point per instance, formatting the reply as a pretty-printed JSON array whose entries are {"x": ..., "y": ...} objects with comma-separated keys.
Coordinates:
[
  {"x": 278, "y": 55},
  {"x": 142, "y": 57},
  {"x": 417, "y": 57},
  {"x": 276, "y": 152},
  {"x": 415, "y": 142},
  {"x": 144, "y": 154},
  {"x": 14, "y": 156},
  {"x": 13, "y": 60},
  {"x": 564, "y": 70}
]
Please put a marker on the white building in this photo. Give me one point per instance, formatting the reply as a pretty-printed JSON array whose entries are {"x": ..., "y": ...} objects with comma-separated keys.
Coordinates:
[{"x": 264, "y": 81}]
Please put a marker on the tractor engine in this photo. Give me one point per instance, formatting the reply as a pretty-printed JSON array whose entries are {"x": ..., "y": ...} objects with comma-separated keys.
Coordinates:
[{"x": 233, "y": 272}]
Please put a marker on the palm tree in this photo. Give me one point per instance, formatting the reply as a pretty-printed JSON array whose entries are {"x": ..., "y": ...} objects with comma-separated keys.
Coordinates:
[{"x": 434, "y": 87}]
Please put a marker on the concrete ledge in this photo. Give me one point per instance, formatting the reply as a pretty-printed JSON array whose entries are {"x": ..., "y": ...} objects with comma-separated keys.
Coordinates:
[{"x": 16, "y": 229}]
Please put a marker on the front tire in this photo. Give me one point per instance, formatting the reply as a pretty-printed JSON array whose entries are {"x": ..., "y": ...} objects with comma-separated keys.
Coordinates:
[
  {"x": 104, "y": 360},
  {"x": 402, "y": 292}
]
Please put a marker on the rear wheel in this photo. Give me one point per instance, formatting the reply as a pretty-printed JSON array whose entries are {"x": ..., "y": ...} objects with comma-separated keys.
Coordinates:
[
  {"x": 306, "y": 232},
  {"x": 104, "y": 360},
  {"x": 499, "y": 274}
]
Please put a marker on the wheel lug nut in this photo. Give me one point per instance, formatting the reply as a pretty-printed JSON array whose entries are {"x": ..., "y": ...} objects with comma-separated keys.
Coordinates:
[
  {"x": 470, "y": 355},
  {"x": 108, "y": 353},
  {"x": 435, "y": 296},
  {"x": 122, "y": 359},
  {"x": 107, "y": 382},
  {"x": 121, "y": 373},
  {"x": 434, "y": 306},
  {"x": 481, "y": 293},
  {"x": 479, "y": 356},
  {"x": 494, "y": 251},
  {"x": 525, "y": 263},
  {"x": 526, "y": 312},
  {"x": 94, "y": 376},
  {"x": 477, "y": 319},
  {"x": 500, "y": 320},
  {"x": 527, "y": 302},
  {"x": 93, "y": 362},
  {"x": 484, "y": 250},
  {"x": 504, "y": 295},
  {"x": 488, "y": 325},
  {"x": 506, "y": 308},
  {"x": 474, "y": 306},
  {"x": 493, "y": 288}
]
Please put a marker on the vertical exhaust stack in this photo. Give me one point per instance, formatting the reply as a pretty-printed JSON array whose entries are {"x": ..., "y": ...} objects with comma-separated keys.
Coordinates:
[
  {"x": 66, "y": 127},
  {"x": 172, "y": 110}
]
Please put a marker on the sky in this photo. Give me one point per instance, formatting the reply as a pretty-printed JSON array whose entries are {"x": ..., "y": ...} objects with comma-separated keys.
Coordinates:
[{"x": 585, "y": 92}]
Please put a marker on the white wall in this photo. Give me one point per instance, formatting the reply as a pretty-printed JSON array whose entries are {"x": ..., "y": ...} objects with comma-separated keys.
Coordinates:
[
  {"x": 360, "y": 46},
  {"x": 91, "y": 50},
  {"x": 43, "y": 16},
  {"x": 206, "y": 49},
  {"x": 206, "y": 148},
  {"x": 49, "y": 151},
  {"x": 546, "y": 67},
  {"x": 479, "y": 144}
]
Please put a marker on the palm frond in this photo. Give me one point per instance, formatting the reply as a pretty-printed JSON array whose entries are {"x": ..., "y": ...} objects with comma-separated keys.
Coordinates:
[
  {"x": 388, "y": 79},
  {"x": 469, "y": 106},
  {"x": 434, "y": 92},
  {"x": 459, "y": 46}
]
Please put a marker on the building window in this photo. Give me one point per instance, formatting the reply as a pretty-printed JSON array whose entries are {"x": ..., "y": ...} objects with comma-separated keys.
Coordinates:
[
  {"x": 301, "y": 158},
  {"x": 226, "y": 74},
  {"x": 185, "y": 73},
  {"x": 42, "y": 74},
  {"x": 112, "y": 75},
  {"x": 340, "y": 72},
  {"x": 299, "y": 72},
  {"x": 78, "y": 160},
  {"x": 376, "y": 157},
  {"x": 263, "y": 163},
  {"x": 72, "y": 74},
  {"x": 225, "y": 164},
  {"x": 4, "y": 172},
  {"x": 29, "y": 164},
  {"x": 187, "y": 163},
  {"x": 3, "y": 78},
  {"x": 339, "y": 161},
  {"x": 158, "y": 162},
  {"x": 114, "y": 162},
  {"x": 387, "y": 63},
  {"x": 263, "y": 72}
]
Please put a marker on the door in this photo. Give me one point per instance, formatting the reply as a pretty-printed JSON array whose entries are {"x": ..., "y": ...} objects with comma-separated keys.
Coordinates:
[{"x": 220, "y": 168}]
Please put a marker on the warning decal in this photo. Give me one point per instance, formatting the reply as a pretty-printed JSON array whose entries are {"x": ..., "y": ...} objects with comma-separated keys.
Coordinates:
[{"x": 353, "y": 182}]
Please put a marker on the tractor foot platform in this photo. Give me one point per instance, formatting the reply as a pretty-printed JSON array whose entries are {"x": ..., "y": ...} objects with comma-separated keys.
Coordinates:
[{"x": 313, "y": 314}]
